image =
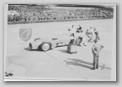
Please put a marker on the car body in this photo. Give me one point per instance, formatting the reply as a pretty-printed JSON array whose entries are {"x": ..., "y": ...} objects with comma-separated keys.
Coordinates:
[{"x": 46, "y": 44}]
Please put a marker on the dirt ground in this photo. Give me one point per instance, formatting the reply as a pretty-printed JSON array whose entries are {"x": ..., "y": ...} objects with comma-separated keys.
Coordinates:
[{"x": 57, "y": 64}]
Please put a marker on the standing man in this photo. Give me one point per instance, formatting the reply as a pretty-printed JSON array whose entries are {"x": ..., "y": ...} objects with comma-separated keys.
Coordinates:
[
  {"x": 96, "y": 48},
  {"x": 96, "y": 33},
  {"x": 79, "y": 35},
  {"x": 71, "y": 48},
  {"x": 84, "y": 39}
]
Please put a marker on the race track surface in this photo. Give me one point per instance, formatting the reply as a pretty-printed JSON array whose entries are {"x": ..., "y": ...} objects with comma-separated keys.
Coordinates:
[{"x": 57, "y": 64}]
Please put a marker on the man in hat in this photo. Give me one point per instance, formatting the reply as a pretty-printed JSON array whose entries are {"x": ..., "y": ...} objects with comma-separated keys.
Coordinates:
[{"x": 96, "y": 48}]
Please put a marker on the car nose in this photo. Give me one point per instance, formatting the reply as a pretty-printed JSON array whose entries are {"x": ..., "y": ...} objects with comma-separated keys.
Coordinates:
[{"x": 30, "y": 45}]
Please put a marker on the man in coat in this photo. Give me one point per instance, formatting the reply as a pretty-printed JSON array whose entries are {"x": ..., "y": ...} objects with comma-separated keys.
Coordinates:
[{"x": 96, "y": 48}]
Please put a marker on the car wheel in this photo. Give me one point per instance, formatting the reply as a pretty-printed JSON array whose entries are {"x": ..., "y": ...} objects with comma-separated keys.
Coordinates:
[{"x": 44, "y": 46}]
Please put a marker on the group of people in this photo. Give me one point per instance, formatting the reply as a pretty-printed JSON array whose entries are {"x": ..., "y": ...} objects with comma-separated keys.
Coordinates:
[{"x": 80, "y": 37}]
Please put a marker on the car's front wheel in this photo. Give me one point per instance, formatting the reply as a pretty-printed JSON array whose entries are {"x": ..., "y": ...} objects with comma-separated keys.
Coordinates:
[{"x": 44, "y": 46}]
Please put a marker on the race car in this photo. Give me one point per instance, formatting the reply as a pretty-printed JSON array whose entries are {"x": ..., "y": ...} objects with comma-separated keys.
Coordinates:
[{"x": 45, "y": 44}]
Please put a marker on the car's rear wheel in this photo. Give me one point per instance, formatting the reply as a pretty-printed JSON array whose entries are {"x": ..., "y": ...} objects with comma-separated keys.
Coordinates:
[{"x": 44, "y": 46}]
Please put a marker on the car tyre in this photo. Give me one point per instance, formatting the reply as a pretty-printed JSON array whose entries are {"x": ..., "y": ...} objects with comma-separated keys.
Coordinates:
[{"x": 45, "y": 46}]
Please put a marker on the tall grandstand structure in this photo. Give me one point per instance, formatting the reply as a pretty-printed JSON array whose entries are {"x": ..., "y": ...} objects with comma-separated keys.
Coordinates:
[{"x": 29, "y": 13}]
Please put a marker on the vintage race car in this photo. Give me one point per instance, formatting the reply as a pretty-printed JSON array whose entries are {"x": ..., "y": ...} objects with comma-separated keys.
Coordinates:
[{"x": 46, "y": 44}]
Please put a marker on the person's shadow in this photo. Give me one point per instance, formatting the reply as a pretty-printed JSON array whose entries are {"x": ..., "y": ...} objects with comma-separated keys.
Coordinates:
[{"x": 78, "y": 62}]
